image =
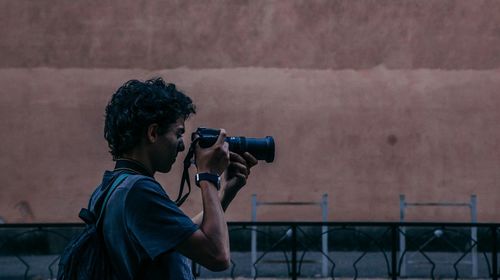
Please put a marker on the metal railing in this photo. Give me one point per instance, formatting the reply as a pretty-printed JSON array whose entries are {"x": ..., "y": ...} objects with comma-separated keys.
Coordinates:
[
  {"x": 323, "y": 205},
  {"x": 471, "y": 205},
  {"x": 294, "y": 249}
]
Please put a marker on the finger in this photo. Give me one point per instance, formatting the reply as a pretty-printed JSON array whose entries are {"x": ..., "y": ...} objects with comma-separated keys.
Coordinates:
[
  {"x": 225, "y": 148},
  {"x": 250, "y": 160},
  {"x": 239, "y": 182},
  {"x": 238, "y": 168},
  {"x": 237, "y": 158},
  {"x": 222, "y": 136},
  {"x": 242, "y": 178},
  {"x": 195, "y": 136}
]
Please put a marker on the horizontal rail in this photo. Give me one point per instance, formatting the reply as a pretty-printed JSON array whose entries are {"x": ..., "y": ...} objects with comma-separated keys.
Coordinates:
[
  {"x": 437, "y": 204},
  {"x": 288, "y": 203},
  {"x": 290, "y": 223}
]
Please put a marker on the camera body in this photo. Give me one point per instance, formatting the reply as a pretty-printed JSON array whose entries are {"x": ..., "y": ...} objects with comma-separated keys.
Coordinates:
[{"x": 260, "y": 148}]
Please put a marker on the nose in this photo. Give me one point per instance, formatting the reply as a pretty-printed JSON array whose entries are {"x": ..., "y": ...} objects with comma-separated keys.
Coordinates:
[{"x": 180, "y": 146}]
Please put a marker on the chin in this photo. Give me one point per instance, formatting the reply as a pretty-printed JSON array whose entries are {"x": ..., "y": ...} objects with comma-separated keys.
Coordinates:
[{"x": 165, "y": 169}]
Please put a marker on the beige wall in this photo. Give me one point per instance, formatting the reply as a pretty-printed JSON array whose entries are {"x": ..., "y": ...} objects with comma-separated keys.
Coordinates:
[{"x": 366, "y": 99}]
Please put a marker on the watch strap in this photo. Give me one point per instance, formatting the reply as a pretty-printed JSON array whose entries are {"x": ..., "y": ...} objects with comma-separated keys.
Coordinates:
[{"x": 213, "y": 178}]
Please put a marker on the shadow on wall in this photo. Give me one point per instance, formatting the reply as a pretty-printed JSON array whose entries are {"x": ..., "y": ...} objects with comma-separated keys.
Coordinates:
[{"x": 25, "y": 211}]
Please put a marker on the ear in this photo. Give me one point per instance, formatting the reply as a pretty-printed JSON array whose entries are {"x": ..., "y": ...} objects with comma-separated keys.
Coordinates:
[{"x": 152, "y": 133}]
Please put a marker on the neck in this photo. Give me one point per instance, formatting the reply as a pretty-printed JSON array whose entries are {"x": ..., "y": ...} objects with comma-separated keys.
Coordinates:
[{"x": 140, "y": 158}]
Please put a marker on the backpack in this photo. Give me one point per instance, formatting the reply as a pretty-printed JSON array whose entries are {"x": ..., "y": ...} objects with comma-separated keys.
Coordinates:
[{"x": 85, "y": 256}]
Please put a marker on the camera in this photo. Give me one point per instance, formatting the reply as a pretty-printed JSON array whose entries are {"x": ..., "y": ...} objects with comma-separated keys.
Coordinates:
[{"x": 260, "y": 148}]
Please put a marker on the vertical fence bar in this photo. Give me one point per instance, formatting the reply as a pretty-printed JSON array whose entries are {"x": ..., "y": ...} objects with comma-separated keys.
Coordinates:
[
  {"x": 394, "y": 251},
  {"x": 494, "y": 252},
  {"x": 473, "y": 215},
  {"x": 254, "y": 236},
  {"x": 294, "y": 252},
  {"x": 324, "y": 236},
  {"x": 402, "y": 236}
]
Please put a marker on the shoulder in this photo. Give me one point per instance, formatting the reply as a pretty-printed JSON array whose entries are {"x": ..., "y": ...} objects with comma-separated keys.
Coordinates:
[
  {"x": 134, "y": 182},
  {"x": 144, "y": 188}
]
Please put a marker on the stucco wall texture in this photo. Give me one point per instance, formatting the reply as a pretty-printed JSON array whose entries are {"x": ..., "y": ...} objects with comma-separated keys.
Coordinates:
[{"x": 366, "y": 99}]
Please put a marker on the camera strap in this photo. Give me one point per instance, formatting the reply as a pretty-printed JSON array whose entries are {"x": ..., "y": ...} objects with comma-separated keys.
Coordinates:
[{"x": 185, "y": 174}]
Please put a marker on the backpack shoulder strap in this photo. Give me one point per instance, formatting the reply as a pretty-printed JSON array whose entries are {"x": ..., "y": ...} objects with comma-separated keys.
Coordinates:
[
  {"x": 113, "y": 187},
  {"x": 131, "y": 180}
]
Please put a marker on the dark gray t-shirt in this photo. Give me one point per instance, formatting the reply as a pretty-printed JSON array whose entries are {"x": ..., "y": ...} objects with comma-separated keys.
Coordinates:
[{"x": 142, "y": 226}]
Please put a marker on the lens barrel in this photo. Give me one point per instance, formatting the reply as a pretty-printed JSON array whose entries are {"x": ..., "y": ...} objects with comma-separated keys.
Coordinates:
[{"x": 260, "y": 148}]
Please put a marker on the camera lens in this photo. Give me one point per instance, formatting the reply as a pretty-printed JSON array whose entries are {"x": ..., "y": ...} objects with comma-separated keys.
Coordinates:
[{"x": 260, "y": 148}]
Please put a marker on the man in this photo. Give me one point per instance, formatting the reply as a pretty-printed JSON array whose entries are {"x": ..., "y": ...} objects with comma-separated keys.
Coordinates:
[{"x": 146, "y": 235}]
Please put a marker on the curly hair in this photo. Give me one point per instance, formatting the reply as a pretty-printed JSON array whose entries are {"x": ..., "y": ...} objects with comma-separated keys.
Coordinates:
[{"x": 136, "y": 105}]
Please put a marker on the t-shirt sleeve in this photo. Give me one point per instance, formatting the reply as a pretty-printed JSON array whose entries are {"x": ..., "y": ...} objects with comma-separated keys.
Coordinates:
[{"x": 154, "y": 220}]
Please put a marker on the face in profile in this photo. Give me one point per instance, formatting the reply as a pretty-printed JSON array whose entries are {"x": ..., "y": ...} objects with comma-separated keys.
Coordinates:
[{"x": 167, "y": 146}]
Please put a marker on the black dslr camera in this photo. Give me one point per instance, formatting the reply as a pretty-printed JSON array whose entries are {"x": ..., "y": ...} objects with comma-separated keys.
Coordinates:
[{"x": 260, "y": 148}]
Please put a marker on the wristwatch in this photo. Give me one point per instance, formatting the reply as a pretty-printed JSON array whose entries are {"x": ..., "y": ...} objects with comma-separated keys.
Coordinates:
[{"x": 213, "y": 178}]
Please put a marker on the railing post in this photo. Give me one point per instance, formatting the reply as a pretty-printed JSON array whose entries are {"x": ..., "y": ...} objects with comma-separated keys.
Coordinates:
[
  {"x": 394, "y": 251},
  {"x": 474, "y": 241},
  {"x": 402, "y": 234},
  {"x": 254, "y": 236},
  {"x": 294, "y": 252},
  {"x": 324, "y": 236},
  {"x": 494, "y": 252}
]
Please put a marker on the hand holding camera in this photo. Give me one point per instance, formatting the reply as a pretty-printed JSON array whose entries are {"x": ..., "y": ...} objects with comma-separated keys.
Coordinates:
[
  {"x": 238, "y": 171},
  {"x": 215, "y": 158},
  {"x": 244, "y": 153},
  {"x": 211, "y": 149}
]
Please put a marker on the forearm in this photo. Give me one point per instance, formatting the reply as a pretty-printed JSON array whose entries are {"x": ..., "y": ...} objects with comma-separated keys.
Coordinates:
[
  {"x": 225, "y": 197},
  {"x": 213, "y": 223}
]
